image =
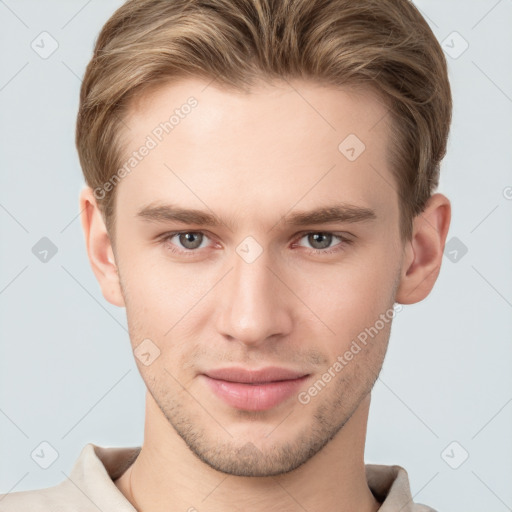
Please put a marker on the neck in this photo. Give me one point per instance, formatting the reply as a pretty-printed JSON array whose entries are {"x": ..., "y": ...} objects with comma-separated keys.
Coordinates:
[{"x": 168, "y": 476}]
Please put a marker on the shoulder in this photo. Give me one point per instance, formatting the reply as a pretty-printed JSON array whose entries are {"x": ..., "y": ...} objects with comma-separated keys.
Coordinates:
[
  {"x": 88, "y": 488},
  {"x": 55, "y": 499},
  {"x": 390, "y": 485}
]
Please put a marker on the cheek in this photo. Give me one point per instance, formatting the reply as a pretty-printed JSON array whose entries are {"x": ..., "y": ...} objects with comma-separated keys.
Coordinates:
[
  {"x": 154, "y": 284},
  {"x": 164, "y": 304},
  {"x": 351, "y": 296}
]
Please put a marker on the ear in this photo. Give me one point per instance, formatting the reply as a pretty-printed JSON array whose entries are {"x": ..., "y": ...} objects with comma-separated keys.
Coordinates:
[
  {"x": 99, "y": 248},
  {"x": 423, "y": 254}
]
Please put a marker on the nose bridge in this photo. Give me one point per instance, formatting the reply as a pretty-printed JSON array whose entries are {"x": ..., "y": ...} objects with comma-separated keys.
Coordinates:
[{"x": 251, "y": 309}]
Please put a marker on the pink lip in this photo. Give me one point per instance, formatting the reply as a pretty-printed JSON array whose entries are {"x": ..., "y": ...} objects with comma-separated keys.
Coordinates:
[{"x": 257, "y": 390}]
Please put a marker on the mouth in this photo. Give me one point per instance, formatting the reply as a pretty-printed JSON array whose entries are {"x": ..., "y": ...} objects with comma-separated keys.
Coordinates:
[
  {"x": 261, "y": 376},
  {"x": 257, "y": 390}
]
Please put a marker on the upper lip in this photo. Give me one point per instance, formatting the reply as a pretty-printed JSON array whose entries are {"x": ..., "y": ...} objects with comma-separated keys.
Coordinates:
[{"x": 269, "y": 374}]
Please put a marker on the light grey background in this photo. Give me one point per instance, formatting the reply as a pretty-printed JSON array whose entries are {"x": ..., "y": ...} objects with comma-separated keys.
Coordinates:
[{"x": 67, "y": 373}]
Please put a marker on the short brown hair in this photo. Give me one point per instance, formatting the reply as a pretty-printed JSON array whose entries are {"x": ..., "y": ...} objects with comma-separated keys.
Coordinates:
[{"x": 384, "y": 44}]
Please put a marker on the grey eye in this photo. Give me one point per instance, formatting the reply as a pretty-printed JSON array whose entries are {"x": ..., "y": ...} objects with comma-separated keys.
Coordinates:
[
  {"x": 190, "y": 240},
  {"x": 319, "y": 240}
]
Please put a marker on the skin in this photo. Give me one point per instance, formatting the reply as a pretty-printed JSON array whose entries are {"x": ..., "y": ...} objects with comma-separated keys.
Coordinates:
[{"x": 251, "y": 159}]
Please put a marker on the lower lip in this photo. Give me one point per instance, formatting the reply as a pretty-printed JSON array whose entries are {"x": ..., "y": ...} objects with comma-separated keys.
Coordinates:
[{"x": 259, "y": 397}]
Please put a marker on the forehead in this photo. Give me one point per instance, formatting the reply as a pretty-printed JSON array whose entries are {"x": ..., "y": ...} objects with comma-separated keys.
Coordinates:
[{"x": 276, "y": 146}]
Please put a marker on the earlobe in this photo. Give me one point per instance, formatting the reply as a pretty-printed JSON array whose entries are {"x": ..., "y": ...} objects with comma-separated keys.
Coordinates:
[
  {"x": 424, "y": 253},
  {"x": 99, "y": 248}
]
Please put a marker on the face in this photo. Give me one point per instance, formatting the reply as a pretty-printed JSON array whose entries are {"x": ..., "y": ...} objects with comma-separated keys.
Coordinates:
[{"x": 253, "y": 278}]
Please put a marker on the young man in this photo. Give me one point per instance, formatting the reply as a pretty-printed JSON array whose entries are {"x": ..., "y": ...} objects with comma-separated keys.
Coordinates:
[{"x": 260, "y": 179}]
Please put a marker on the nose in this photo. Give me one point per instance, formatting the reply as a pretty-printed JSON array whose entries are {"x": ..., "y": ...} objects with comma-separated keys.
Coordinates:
[{"x": 252, "y": 304}]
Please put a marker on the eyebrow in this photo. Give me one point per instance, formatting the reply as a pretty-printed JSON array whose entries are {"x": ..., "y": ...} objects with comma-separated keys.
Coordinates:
[{"x": 336, "y": 213}]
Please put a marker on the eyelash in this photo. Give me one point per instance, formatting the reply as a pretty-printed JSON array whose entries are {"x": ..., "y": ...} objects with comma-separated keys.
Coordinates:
[{"x": 166, "y": 237}]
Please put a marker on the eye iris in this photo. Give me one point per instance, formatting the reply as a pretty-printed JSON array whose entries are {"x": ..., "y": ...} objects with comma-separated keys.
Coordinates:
[
  {"x": 324, "y": 239},
  {"x": 190, "y": 240}
]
